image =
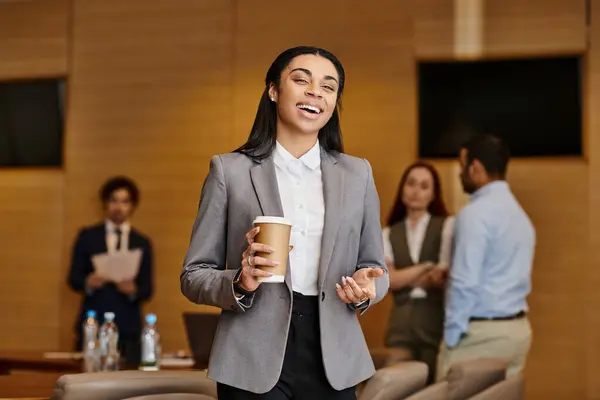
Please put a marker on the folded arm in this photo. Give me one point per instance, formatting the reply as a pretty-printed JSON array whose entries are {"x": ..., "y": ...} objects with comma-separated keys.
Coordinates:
[
  {"x": 406, "y": 277},
  {"x": 400, "y": 278}
]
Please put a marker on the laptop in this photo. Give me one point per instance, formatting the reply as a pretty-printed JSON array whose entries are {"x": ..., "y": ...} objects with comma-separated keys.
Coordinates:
[{"x": 200, "y": 329}]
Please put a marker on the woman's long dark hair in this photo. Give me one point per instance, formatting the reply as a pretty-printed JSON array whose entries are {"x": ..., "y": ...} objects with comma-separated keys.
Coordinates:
[
  {"x": 261, "y": 141},
  {"x": 435, "y": 208}
]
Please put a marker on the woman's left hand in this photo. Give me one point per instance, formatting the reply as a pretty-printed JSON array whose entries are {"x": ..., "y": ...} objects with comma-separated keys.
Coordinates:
[{"x": 359, "y": 287}]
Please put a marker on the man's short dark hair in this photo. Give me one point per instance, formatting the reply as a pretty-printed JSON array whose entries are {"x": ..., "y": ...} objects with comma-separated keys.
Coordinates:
[
  {"x": 117, "y": 183},
  {"x": 491, "y": 152}
]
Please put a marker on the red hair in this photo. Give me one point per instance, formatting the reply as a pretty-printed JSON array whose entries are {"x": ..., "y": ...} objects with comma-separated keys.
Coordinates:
[{"x": 436, "y": 207}]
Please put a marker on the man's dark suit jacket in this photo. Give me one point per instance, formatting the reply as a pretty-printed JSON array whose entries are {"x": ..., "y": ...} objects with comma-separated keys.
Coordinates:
[{"x": 128, "y": 313}]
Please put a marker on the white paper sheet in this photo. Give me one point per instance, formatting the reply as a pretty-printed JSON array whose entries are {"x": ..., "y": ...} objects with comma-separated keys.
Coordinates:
[{"x": 119, "y": 266}]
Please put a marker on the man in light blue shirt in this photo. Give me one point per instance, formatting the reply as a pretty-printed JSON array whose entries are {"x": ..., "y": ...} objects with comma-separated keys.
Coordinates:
[{"x": 490, "y": 277}]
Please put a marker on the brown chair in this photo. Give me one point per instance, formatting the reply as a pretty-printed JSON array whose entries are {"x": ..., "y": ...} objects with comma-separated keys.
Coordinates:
[
  {"x": 123, "y": 385},
  {"x": 395, "y": 382},
  {"x": 387, "y": 356},
  {"x": 465, "y": 380},
  {"x": 439, "y": 391},
  {"x": 174, "y": 396},
  {"x": 513, "y": 388}
]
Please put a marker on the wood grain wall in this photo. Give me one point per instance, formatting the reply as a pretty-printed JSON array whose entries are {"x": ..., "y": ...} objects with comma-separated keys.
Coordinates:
[
  {"x": 156, "y": 87},
  {"x": 591, "y": 282},
  {"x": 33, "y": 43},
  {"x": 151, "y": 98},
  {"x": 31, "y": 211},
  {"x": 502, "y": 27},
  {"x": 33, "y": 38}
]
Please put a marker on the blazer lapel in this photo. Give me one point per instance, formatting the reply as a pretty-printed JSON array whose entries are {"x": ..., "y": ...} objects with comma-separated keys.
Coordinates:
[
  {"x": 333, "y": 193},
  {"x": 264, "y": 181}
]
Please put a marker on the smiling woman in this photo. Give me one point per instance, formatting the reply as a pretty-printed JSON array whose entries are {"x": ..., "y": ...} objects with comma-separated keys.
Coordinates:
[
  {"x": 302, "y": 97},
  {"x": 300, "y": 339}
]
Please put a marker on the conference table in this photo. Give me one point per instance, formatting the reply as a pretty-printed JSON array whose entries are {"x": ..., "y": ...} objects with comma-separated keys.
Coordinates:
[
  {"x": 39, "y": 362},
  {"x": 33, "y": 374}
]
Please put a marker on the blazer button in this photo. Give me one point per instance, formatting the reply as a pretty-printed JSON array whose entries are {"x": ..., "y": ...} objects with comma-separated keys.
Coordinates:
[{"x": 322, "y": 296}]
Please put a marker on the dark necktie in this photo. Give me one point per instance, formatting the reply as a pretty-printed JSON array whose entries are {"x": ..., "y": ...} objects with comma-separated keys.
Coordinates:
[{"x": 118, "y": 233}]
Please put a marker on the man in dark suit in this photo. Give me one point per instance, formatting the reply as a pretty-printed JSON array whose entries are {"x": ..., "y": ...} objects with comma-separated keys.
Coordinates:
[{"x": 120, "y": 197}]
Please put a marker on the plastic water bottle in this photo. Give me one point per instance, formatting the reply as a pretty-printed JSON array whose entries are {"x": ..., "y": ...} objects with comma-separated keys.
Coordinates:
[
  {"x": 151, "y": 350},
  {"x": 109, "y": 344},
  {"x": 90, "y": 342}
]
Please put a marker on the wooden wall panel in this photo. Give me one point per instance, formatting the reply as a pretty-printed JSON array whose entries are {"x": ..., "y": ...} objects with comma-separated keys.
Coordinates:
[
  {"x": 515, "y": 27},
  {"x": 375, "y": 46},
  {"x": 33, "y": 38},
  {"x": 434, "y": 28},
  {"x": 31, "y": 210},
  {"x": 151, "y": 98},
  {"x": 592, "y": 281},
  {"x": 492, "y": 28},
  {"x": 33, "y": 43},
  {"x": 554, "y": 194}
]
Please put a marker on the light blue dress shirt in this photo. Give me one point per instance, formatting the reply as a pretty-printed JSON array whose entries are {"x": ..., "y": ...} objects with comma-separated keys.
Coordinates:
[{"x": 494, "y": 243}]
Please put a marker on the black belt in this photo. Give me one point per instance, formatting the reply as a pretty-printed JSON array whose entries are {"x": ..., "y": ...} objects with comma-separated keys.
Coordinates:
[{"x": 518, "y": 315}]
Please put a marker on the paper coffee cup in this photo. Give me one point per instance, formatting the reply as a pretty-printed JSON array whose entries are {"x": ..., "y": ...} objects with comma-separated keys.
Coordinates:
[{"x": 274, "y": 232}]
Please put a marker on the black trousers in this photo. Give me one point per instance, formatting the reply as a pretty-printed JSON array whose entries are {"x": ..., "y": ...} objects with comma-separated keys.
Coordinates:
[{"x": 303, "y": 374}]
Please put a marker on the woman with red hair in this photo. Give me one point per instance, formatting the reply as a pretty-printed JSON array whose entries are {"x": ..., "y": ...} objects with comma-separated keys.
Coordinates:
[{"x": 417, "y": 244}]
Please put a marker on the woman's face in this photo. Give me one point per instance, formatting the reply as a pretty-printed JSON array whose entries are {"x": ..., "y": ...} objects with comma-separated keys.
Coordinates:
[
  {"x": 307, "y": 94},
  {"x": 417, "y": 193}
]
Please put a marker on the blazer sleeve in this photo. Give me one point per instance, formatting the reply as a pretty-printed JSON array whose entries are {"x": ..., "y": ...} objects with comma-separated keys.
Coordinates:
[
  {"x": 370, "y": 252},
  {"x": 80, "y": 264},
  {"x": 145, "y": 279},
  {"x": 204, "y": 278}
]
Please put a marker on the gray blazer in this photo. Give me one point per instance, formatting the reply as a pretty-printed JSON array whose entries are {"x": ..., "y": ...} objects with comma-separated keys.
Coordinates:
[{"x": 250, "y": 342}]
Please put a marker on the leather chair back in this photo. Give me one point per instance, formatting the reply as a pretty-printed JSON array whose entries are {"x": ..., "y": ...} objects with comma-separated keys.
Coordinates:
[
  {"x": 396, "y": 382},
  {"x": 121, "y": 385}
]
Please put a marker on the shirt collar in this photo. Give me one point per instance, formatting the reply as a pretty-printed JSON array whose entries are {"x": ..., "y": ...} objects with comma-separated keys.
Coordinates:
[
  {"x": 423, "y": 220},
  {"x": 111, "y": 227},
  {"x": 492, "y": 187},
  {"x": 312, "y": 158}
]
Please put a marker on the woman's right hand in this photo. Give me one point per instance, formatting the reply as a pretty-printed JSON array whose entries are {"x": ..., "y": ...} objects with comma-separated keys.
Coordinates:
[
  {"x": 249, "y": 277},
  {"x": 430, "y": 272}
]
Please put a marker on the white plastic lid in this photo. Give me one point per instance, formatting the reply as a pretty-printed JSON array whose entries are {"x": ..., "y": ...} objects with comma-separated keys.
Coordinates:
[
  {"x": 272, "y": 220},
  {"x": 109, "y": 316}
]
